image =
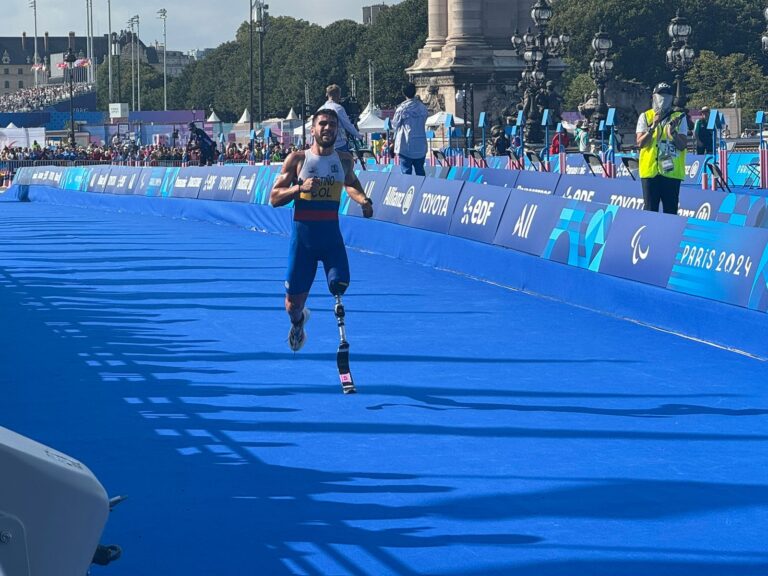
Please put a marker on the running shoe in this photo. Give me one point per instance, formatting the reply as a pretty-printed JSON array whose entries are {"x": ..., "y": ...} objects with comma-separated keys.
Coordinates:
[{"x": 297, "y": 336}]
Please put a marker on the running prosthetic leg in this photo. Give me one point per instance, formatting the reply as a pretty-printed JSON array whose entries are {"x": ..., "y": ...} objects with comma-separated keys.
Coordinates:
[{"x": 342, "y": 354}]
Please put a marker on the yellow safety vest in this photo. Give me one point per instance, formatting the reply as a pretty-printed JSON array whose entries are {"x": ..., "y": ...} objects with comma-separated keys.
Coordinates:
[{"x": 649, "y": 155}]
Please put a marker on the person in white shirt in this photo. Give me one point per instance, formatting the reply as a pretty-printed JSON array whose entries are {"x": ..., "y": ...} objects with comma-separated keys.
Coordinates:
[
  {"x": 410, "y": 133},
  {"x": 333, "y": 92}
]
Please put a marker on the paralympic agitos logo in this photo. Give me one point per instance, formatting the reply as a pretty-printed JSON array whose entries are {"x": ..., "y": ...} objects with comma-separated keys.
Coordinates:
[{"x": 639, "y": 252}]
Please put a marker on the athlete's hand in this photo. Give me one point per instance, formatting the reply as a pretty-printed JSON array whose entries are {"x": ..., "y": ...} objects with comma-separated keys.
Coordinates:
[
  {"x": 367, "y": 207},
  {"x": 310, "y": 185}
]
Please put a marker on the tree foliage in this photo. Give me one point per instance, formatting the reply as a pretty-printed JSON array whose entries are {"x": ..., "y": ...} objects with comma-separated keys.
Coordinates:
[{"x": 295, "y": 52}]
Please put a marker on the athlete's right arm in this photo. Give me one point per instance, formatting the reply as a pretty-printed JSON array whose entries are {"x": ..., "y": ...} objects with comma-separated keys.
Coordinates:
[{"x": 287, "y": 186}]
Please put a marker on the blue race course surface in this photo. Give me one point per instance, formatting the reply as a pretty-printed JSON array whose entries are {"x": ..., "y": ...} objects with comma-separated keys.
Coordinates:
[{"x": 494, "y": 433}]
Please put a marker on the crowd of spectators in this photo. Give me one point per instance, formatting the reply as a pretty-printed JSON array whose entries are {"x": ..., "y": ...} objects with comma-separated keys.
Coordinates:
[{"x": 31, "y": 99}]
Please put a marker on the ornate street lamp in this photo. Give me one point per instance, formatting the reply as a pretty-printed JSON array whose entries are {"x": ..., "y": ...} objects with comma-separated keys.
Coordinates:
[
  {"x": 679, "y": 57},
  {"x": 536, "y": 51},
  {"x": 261, "y": 18},
  {"x": 765, "y": 34},
  {"x": 163, "y": 15},
  {"x": 70, "y": 59},
  {"x": 600, "y": 69}
]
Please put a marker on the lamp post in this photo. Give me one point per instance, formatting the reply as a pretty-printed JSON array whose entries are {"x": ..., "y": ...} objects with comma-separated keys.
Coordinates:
[
  {"x": 115, "y": 51},
  {"x": 250, "y": 82},
  {"x": 536, "y": 50},
  {"x": 679, "y": 57},
  {"x": 36, "y": 63},
  {"x": 111, "y": 45},
  {"x": 764, "y": 39},
  {"x": 600, "y": 69},
  {"x": 138, "y": 61},
  {"x": 70, "y": 59},
  {"x": 163, "y": 15},
  {"x": 132, "y": 26},
  {"x": 261, "y": 28}
]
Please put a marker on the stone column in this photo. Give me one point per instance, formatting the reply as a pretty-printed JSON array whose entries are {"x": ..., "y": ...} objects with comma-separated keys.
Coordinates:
[
  {"x": 465, "y": 23},
  {"x": 437, "y": 11}
]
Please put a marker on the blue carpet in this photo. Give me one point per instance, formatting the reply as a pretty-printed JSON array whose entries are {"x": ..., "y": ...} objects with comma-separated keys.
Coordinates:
[{"x": 494, "y": 432}]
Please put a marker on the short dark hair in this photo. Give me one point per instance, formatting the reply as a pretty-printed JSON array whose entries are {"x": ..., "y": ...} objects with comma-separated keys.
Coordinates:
[
  {"x": 409, "y": 90},
  {"x": 324, "y": 112}
]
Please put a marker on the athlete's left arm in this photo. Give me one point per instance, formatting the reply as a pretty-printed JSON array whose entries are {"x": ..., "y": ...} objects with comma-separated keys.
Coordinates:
[{"x": 353, "y": 185}]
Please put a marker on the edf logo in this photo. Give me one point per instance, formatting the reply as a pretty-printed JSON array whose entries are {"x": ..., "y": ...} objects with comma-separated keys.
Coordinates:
[{"x": 477, "y": 212}]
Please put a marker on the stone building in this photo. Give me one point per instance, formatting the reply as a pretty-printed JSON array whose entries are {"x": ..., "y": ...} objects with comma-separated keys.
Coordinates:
[{"x": 469, "y": 42}]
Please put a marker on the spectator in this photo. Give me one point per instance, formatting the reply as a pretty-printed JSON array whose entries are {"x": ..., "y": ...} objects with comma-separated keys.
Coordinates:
[
  {"x": 410, "y": 133},
  {"x": 558, "y": 140},
  {"x": 701, "y": 134},
  {"x": 333, "y": 92},
  {"x": 582, "y": 136}
]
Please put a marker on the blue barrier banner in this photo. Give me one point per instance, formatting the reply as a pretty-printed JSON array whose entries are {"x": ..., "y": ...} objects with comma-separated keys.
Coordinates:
[
  {"x": 478, "y": 211},
  {"x": 700, "y": 204},
  {"x": 741, "y": 170},
  {"x": 498, "y": 162},
  {"x": 720, "y": 262},
  {"x": 75, "y": 178},
  {"x": 436, "y": 171},
  {"x": 219, "y": 183},
  {"x": 641, "y": 246},
  {"x": 463, "y": 173},
  {"x": 744, "y": 210},
  {"x": 694, "y": 167},
  {"x": 758, "y": 295},
  {"x": 22, "y": 175},
  {"x": 188, "y": 181},
  {"x": 374, "y": 184},
  {"x": 496, "y": 177},
  {"x": 435, "y": 204},
  {"x": 623, "y": 193},
  {"x": 395, "y": 204},
  {"x": 575, "y": 164},
  {"x": 255, "y": 183},
  {"x": 155, "y": 181},
  {"x": 578, "y": 238},
  {"x": 46, "y": 175},
  {"x": 538, "y": 182},
  {"x": 122, "y": 180},
  {"x": 99, "y": 178},
  {"x": 528, "y": 220}
]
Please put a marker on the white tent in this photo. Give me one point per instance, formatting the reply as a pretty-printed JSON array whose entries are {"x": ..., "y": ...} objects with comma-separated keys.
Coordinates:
[
  {"x": 245, "y": 118},
  {"x": 438, "y": 119},
  {"x": 21, "y": 137},
  {"x": 11, "y": 125},
  {"x": 370, "y": 123},
  {"x": 213, "y": 118},
  {"x": 297, "y": 131},
  {"x": 292, "y": 115}
]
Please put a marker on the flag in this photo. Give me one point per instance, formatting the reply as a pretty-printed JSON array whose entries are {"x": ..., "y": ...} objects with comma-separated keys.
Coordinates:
[{"x": 61, "y": 65}]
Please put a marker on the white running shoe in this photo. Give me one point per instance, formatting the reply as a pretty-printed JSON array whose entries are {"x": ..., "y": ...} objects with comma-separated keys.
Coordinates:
[{"x": 297, "y": 336}]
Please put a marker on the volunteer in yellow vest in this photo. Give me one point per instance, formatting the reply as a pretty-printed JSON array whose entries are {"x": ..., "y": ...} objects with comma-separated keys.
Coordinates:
[{"x": 662, "y": 136}]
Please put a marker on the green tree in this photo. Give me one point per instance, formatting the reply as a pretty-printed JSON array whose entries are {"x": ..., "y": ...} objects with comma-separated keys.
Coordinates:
[{"x": 714, "y": 79}]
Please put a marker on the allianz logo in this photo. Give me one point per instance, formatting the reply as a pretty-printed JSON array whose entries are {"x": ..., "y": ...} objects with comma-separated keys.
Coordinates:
[
  {"x": 579, "y": 194},
  {"x": 477, "y": 212},
  {"x": 525, "y": 221},
  {"x": 639, "y": 252},
  {"x": 398, "y": 199},
  {"x": 704, "y": 212}
]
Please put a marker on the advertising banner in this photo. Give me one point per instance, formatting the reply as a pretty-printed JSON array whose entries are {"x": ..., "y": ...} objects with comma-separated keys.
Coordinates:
[
  {"x": 625, "y": 193},
  {"x": 122, "y": 180},
  {"x": 641, "y": 246},
  {"x": 496, "y": 177},
  {"x": 435, "y": 204},
  {"x": 528, "y": 220},
  {"x": 255, "y": 183},
  {"x": 700, "y": 204},
  {"x": 578, "y": 238},
  {"x": 575, "y": 164},
  {"x": 478, "y": 211},
  {"x": 720, "y": 261},
  {"x": 538, "y": 182},
  {"x": 22, "y": 175},
  {"x": 694, "y": 166},
  {"x": 374, "y": 184},
  {"x": 98, "y": 179},
  {"x": 740, "y": 169},
  {"x": 75, "y": 178},
  {"x": 219, "y": 183},
  {"x": 436, "y": 171},
  {"x": 743, "y": 210},
  {"x": 46, "y": 175},
  {"x": 395, "y": 203},
  {"x": 155, "y": 181},
  {"x": 188, "y": 181}
]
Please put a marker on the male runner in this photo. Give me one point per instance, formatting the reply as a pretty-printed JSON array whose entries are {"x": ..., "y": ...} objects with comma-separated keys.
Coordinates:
[{"x": 313, "y": 179}]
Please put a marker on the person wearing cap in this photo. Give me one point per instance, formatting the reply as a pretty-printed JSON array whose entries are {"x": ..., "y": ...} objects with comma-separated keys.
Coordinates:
[
  {"x": 662, "y": 136},
  {"x": 702, "y": 134}
]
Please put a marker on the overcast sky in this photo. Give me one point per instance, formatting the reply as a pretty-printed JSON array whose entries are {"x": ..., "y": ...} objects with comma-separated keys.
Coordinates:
[{"x": 191, "y": 23}]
